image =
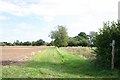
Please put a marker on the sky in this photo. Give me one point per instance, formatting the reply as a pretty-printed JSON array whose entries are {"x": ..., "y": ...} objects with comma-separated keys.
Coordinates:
[{"x": 31, "y": 20}]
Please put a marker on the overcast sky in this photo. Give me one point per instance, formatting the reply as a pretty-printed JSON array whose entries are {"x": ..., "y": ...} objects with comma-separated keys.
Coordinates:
[{"x": 28, "y": 20}]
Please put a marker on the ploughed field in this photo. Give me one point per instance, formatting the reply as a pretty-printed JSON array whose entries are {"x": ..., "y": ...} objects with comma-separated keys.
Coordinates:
[{"x": 17, "y": 55}]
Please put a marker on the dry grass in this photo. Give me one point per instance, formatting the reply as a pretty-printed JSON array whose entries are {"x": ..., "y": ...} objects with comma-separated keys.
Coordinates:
[{"x": 83, "y": 51}]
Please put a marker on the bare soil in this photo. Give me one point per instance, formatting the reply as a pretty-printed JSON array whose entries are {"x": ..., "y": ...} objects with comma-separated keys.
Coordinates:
[{"x": 17, "y": 55}]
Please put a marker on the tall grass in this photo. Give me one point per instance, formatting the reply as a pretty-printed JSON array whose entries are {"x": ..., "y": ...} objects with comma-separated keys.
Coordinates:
[{"x": 82, "y": 51}]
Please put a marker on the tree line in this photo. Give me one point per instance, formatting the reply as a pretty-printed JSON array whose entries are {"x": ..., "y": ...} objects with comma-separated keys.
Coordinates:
[
  {"x": 59, "y": 38},
  {"x": 26, "y": 43}
]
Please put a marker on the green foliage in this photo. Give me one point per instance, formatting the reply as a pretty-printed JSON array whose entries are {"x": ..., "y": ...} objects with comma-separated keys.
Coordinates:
[
  {"x": 51, "y": 43},
  {"x": 80, "y": 40},
  {"x": 27, "y": 43},
  {"x": 38, "y": 43},
  {"x": 82, "y": 35},
  {"x": 103, "y": 40},
  {"x": 72, "y": 42},
  {"x": 60, "y": 36},
  {"x": 6, "y": 44},
  {"x": 16, "y": 43}
]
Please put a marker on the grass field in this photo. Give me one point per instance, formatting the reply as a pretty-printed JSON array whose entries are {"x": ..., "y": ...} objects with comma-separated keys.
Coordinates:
[{"x": 57, "y": 63}]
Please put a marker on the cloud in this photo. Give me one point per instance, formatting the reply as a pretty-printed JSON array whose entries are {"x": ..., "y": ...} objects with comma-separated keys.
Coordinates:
[
  {"x": 90, "y": 15},
  {"x": 48, "y": 18},
  {"x": 52, "y": 8},
  {"x": 3, "y": 18},
  {"x": 24, "y": 26},
  {"x": 57, "y": 8},
  {"x": 9, "y": 7}
]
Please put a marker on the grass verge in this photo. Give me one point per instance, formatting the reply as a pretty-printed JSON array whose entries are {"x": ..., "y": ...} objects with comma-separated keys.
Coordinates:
[{"x": 57, "y": 63}]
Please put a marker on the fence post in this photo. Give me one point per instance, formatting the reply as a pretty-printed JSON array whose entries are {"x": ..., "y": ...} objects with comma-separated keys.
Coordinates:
[{"x": 113, "y": 53}]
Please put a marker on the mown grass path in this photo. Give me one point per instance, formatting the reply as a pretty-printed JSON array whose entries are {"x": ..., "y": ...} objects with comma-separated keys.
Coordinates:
[{"x": 57, "y": 63}]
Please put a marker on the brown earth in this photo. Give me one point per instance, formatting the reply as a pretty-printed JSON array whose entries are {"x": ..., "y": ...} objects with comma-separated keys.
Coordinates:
[{"x": 17, "y": 55}]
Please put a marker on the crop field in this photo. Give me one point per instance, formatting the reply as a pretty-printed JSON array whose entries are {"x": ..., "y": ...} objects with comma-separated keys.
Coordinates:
[
  {"x": 16, "y": 55},
  {"x": 52, "y": 62}
]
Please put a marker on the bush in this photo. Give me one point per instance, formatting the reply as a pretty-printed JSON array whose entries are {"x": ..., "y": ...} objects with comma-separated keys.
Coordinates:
[{"x": 103, "y": 39}]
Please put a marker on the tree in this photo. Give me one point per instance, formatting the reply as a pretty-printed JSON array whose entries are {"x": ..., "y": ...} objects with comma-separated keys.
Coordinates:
[
  {"x": 2, "y": 44},
  {"x": 83, "y": 39},
  {"x": 60, "y": 36},
  {"x": 33, "y": 43},
  {"x": 92, "y": 37},
  {"x": 6, "y": 44},
  {"x": 83, "y": 42},
  {"x": 72, "y": 42},
  {"x": 80, "y": 40},
  {"x": 38, "y": 42},
  {"x": 83, "y": 35},
  {"x": 27, "y": 43},
  {"x": 103, "y": 40},
  {"x": 50, "y": 44},
  {"x": 16, "y": 43}
]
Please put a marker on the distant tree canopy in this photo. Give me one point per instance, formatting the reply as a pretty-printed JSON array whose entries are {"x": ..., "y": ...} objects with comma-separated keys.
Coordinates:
[
  {"x": 26, "y": 43},
  {"x": 80, "y": 40},
  {"x": 60, "y": 36},
  {"x": 109, "y": 32},
  {"x": 38, "y": 43},
  {"x": 6, "y": 44}
]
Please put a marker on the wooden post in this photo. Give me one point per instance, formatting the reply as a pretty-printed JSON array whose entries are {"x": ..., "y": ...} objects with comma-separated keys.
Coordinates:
[{"x": 113, "y": 52}]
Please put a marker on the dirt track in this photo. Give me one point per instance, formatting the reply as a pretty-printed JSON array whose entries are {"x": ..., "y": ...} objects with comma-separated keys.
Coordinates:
[{"x": 18, "y": 54}]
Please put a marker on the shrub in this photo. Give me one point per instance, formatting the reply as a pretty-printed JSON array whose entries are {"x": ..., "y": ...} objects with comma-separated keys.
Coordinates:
[{"x": 109, "y": 32}]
